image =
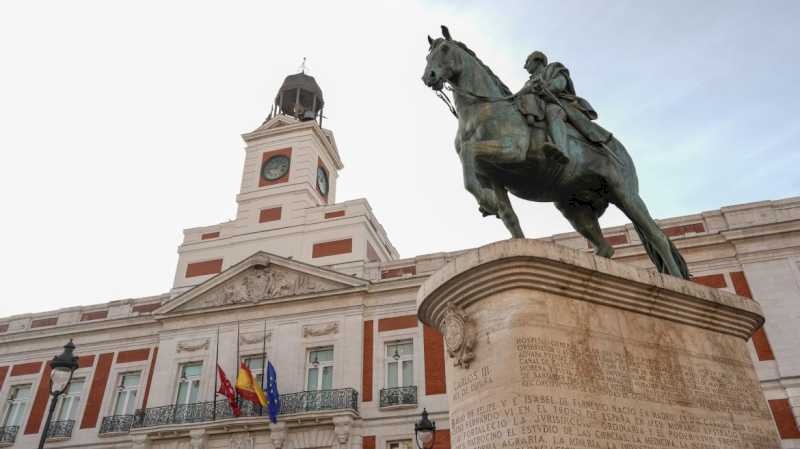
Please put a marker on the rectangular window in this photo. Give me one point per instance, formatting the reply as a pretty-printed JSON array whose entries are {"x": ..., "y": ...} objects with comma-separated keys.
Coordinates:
[
  {"x": 405, "y": 444},
  {"x": 69, "y": 402},
  {"x": 127, "y": 389},
  {"x": 189, "y": 383},
  {"x": 256, "y": 365},
  {"x": 399, "y": 364},
  {"x": 17, "y": 404},
  {"x": 320, "y": 369}
]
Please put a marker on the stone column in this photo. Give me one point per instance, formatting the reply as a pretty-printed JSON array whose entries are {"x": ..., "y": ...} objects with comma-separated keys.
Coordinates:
[{"x": 553, "y": 348}]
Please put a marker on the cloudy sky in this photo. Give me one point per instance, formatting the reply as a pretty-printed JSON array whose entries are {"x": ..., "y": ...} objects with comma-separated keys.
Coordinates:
[{"x": 120, "y": 122}]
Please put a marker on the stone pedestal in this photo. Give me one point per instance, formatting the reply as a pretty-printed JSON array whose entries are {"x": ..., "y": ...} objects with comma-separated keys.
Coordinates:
[{"x": 551, "y": 348}]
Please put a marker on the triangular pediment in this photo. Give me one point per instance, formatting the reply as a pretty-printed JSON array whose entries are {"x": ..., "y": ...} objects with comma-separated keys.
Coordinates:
[{"x": 260, "y": 278}]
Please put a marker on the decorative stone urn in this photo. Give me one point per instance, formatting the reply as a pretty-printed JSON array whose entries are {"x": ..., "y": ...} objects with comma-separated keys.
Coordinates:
[{"x": 552, "y": 348}]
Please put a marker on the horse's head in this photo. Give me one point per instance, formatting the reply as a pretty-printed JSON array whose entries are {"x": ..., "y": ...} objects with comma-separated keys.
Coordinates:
[{"x": 444, "y": 61}]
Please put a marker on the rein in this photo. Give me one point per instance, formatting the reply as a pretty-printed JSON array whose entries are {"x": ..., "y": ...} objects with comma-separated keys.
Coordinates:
[{"x": 480, "y": 98}]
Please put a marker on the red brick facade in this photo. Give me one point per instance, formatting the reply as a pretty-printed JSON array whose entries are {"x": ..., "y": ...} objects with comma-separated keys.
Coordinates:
[
  {"x": 39, "y": 403},
  {"x": 442, "y": 440},
  {"x": 150, "y": 377},
  {"x": 711, "y": 280},
  {"x": 97, "y": 315},
  {"x": 784, "y": 419},
  {"x": 26, "y": 368},
  {"x": 3, "y": 372},
  {"x": 271, "y": 214},
  {"x": 366, "y": 374},
  {"x": 42, "y": 322},
  {"x": 677, "y": 231},
  {"x": 85, "y": 361},
  {"x": 203, "y": 268},
  {"x": 397, "y": 272},
  {"x": 760, "y": 340},
  {"x": 135, "y": 355},
  {"x": 94, "y": 400},
  {"x": 434, "y": 361},
  {"x": 334, "y": 214},
  {"x": 146, "y": 308},
  {"x": 333, "y": 248},
  {"x": 397, "y": 322}
]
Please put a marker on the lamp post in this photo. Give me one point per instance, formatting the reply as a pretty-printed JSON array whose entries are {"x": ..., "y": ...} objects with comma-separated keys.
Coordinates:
[
  {"x": 61, "y": 369},
  {"x": 425, "y": 431}
]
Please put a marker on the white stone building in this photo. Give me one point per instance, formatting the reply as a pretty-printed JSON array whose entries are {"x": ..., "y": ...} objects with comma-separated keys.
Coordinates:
[{"x": 318, "y": 288}]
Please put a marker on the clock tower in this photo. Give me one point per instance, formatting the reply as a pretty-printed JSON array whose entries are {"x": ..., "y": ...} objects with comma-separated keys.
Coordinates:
[{"x": 287, "y": 199}]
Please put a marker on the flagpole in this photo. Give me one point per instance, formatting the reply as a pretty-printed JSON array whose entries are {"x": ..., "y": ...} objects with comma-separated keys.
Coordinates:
[
  {"x": 264, "y": 360},
  {"x": 216, "y": 375},
  {"x": 236, "y": 368}
]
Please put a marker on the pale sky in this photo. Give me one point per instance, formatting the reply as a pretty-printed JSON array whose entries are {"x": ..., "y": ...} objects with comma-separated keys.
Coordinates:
[{"x": 120, "y": 122}]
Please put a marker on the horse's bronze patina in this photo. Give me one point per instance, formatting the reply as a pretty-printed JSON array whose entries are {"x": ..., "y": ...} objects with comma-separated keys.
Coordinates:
[{"x": 501, "y": 153}]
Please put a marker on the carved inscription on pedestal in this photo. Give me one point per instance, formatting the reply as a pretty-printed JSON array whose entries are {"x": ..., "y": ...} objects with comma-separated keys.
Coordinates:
[{"x": 572, "y": 393}]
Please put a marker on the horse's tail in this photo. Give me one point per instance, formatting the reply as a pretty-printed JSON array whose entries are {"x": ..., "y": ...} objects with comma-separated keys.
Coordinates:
[{"x": 656, "y": 258}]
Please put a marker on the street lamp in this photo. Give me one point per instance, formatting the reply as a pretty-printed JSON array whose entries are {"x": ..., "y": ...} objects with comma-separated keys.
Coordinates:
[
  {"x": 61, "y": 369},
  {"x": 425, "y": 431}
]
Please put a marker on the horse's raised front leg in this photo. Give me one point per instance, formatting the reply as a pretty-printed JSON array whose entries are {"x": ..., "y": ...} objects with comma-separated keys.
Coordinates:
[
  {"x": 487, "y": 203},
  {"x": 506, "y": 212}
]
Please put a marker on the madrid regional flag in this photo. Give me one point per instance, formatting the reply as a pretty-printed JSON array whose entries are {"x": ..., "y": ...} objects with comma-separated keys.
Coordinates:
[{"x": 248, "y": 388}]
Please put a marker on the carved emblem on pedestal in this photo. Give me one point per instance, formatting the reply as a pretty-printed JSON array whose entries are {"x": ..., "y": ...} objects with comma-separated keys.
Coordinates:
[{"x": 459, "y": 336}]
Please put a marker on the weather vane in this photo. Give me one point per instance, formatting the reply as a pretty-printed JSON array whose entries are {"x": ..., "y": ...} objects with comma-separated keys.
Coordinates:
[{"x": 303, "y": 67}]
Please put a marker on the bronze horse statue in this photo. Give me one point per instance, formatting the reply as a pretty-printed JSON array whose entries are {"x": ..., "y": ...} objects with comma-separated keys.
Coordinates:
[{"x": 491, "y": 124}]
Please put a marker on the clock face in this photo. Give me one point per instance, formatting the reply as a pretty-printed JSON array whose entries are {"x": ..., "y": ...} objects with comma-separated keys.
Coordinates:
[
  {"x": 322, "y": 181},
  {"x": 275, "y": 168}
]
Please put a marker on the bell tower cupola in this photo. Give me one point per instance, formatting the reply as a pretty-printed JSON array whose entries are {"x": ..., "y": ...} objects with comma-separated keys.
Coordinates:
[{"x": 299, "y": 97}]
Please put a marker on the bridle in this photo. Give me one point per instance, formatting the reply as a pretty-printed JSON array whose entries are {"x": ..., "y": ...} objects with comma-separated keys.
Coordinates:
[{"x": 479, "y": 98}]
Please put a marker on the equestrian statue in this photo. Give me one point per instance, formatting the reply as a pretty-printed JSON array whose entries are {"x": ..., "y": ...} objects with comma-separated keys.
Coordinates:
[{"x": 541, "y": 144}]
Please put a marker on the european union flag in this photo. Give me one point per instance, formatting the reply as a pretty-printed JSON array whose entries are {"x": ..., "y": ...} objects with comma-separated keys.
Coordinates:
[{"x": 273, "y": 397}]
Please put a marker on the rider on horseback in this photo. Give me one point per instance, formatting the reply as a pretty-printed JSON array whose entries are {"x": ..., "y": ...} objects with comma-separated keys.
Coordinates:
[{"x": 550, "y": 95}]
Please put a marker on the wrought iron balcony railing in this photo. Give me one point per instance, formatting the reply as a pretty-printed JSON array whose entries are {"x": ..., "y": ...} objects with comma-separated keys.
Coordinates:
[
  {"x": 8, "y": 434},
  {"x": 312, "y": 401},
  {"x": 117, "y": 424},
  {"x": 61, "y": 429},
  {"x": 398, "y": 396},
  {"x": 292, "y": 403}
]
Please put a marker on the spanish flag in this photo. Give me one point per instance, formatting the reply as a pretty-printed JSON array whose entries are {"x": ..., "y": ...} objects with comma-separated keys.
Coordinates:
[{"x": 248, "y": 388}]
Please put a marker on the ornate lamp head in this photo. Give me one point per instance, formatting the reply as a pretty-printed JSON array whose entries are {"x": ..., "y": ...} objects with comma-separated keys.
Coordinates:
[
  {"x": 61, "y": 369},
  {"x": 425, "y": 431}
]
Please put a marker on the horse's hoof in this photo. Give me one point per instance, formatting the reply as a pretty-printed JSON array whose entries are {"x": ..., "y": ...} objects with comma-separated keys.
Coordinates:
[{"x": 606, "y": 252}]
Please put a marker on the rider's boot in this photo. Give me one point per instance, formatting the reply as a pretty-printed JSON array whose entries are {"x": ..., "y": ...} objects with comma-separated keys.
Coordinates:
[{"x": 556, "y": 150}]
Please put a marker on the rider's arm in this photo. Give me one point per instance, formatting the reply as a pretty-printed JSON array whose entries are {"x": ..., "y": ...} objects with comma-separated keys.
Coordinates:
[{"x": 557, "y": 84}]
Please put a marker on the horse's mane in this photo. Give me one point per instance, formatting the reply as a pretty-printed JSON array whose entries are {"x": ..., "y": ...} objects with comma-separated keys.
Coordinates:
[{"x": 503, "y": 88}]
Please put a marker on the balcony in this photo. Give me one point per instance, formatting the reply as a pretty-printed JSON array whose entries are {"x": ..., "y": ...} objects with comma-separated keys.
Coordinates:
[
  {"x": 60, "y": 429},
  {"x": 116, "y": 424},
  {"x": 8, "y": 434},
  {"x": 291, "y": 404},
  {"x": 398, "y": 396}
]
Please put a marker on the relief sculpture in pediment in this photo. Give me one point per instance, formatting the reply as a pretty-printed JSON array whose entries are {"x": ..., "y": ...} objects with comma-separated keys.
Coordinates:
[{"x": 258, "y": 284}]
